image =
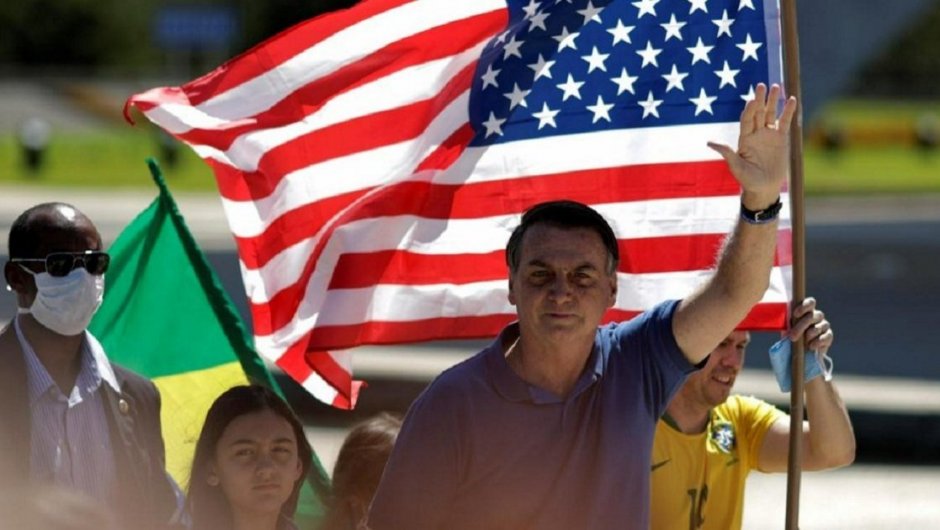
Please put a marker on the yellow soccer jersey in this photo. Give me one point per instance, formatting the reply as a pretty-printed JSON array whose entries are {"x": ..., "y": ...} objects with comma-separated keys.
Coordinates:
[{"x": 693, "y": 489}]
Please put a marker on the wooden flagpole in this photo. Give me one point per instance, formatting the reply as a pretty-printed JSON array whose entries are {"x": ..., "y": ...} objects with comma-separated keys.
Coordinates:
[{"x": 791, "y": 55}]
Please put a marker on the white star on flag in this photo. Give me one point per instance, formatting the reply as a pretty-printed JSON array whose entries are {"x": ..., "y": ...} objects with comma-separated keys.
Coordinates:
[
  {"x": 571, "y": 88},
  {"x": 538, "y": 21},
  {"x": 596, "y": 60},
  {"x": 517, "y": 97},
  {"x": 546, "y": 116},
  {"x": 621, "y": 33},
  {"x": 646, "y": 7},
  {"x": 591, "y": 13},
  {"x": 531, "y": 8},
  {"x": 703, "y": 103},
  {"x": 696, "y": 5},
  {"x": 625, "y": 82},
  {"x": 489, "y": 76},
  {"x": 750, "y": 94},
  {"x": 542, "y": 68},
  {"x": 512, "y": 48},
  {"x": 566, "y": 39},
  {"x": 749, "y": 47},
  {"x": 674, "y": 79},
  {"x": 601, "y": 110},
  {"x": 672, "y": 28},
  {"x": 724, "y": 24},
  {"x": 493, "y": 125},
  {"x": 727, "y": 75},
  {"x": 649, "y": 55},
  {"x": 700, "y": 52},
  {"x": 649, "y": 105}
]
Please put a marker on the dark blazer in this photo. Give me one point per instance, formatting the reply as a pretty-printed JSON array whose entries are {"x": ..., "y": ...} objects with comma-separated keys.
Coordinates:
[{"x": 146, "y": 497}]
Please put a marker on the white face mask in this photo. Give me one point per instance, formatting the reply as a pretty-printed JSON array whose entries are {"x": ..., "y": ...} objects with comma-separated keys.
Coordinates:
[{"x": 66, "y": 304}]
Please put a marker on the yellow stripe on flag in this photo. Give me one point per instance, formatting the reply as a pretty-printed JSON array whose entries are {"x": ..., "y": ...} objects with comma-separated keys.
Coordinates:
[{"x": 186, "y": 400}]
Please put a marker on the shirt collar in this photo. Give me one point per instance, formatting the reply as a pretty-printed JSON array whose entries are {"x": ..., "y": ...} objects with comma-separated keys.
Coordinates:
[
  {"x": 94, "y": 368},
  {"x": 513, "y": 388},
  {"x": 105, "y": 370}
]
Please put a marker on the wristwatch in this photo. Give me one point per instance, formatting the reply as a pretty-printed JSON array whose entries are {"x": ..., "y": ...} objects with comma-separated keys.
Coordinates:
[{"x": 759, "y": 217}]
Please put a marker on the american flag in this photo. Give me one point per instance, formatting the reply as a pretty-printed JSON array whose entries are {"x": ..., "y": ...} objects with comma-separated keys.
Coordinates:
[{"x": 372, "y": 162}]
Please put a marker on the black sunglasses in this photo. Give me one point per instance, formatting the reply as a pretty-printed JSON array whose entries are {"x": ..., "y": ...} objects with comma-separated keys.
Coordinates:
[{"x": 62, "y": 263}]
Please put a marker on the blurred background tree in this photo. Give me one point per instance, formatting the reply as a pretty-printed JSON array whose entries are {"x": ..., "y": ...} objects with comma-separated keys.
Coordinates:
[
  {"x": 909, "y": 66},
  {"x": 121, "y": 38},
  {"x": 118, "y": 37}
]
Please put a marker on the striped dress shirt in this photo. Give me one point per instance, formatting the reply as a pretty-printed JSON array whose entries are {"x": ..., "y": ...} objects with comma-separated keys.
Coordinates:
[{"x": 70, "y": 438}]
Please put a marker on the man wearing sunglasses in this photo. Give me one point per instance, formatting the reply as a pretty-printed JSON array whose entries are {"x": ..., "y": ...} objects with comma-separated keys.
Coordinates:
[{"x": 69, "y": 417}]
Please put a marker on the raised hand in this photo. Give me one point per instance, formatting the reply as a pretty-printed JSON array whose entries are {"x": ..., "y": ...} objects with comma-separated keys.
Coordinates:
[{"x": 761, "y": 161}]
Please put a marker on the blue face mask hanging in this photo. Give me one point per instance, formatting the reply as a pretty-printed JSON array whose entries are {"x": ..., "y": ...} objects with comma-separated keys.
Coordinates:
[{"x": 814, "y": 364}]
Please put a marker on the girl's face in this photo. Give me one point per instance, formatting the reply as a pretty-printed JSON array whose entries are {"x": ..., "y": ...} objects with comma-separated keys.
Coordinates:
[{"x": 256, "y": 463}]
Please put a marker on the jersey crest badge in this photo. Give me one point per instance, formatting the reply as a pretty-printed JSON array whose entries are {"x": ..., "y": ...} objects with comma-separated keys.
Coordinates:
[{"x": 723, "y": 436}]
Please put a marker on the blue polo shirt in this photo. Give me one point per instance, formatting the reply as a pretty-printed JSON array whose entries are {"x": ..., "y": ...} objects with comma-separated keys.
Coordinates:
[{"x": 483, "y": 449}]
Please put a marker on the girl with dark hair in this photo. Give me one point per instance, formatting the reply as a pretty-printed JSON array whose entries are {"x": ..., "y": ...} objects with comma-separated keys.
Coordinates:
[
  {"x": 250, "y": 462},
  {"x": 358, "y": 469}
]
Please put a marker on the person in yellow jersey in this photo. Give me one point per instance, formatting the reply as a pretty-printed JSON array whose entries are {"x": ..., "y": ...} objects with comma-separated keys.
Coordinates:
[{"x": 709, "y": 440}]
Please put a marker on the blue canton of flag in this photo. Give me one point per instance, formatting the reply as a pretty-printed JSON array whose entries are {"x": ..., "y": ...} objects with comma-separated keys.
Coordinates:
[{"x": 572, "y": 66}]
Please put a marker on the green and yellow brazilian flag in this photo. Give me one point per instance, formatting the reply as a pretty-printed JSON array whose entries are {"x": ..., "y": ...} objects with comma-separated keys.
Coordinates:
[{"x": 166, "y": 317}]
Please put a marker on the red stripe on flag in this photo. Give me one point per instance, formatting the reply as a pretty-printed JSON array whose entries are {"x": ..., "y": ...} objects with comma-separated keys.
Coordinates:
[
  {"x": 307, "y": 100},
  {"x": 333, "y": 373},
  {"x": 377, "y": 332},
  {"x": 470, "y": 201},
  {"x": 300, "y": 364},
  {"x": 399, "y": 267},
  {"x": 346, "y": 138},
  {"x": 449, "y": 151},
  {"x": 764, "y": 317},
  {"x": 293, "y": 363}
]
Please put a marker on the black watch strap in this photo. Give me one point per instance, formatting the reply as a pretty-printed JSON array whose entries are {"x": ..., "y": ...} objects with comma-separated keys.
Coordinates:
[{"x": 759, "y": 217}]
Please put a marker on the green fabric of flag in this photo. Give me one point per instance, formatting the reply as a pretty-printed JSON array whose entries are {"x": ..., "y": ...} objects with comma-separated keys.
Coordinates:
[{"x": 166, "y": 316}]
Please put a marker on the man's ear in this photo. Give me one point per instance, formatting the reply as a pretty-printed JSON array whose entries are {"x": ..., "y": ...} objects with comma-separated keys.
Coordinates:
[
  {"x": 9, "y": 275},
  {"x": 19, "y": 282},
  {"x": 613, "y": 290},
  {"x": 512, "y": 294}
]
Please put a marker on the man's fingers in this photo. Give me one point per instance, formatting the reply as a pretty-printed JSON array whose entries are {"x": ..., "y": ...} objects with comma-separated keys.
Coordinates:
[
  {"x": 770, "y": 107},
  {"x": 807, "y": 305},
  {"x": 759, "y": 112},
  {"x": 823, "y": 342},
  {"x": 786, "y": 117},
  {"x": 816, "y": 331},
  {"x": 800, "y": 326},
  {"x": 749, "y": 118},
  {"x": 725, "y": 151}
]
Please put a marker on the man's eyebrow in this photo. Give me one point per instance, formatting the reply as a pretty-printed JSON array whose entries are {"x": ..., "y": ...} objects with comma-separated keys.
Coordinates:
[{"x": 536, "y": 262}]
